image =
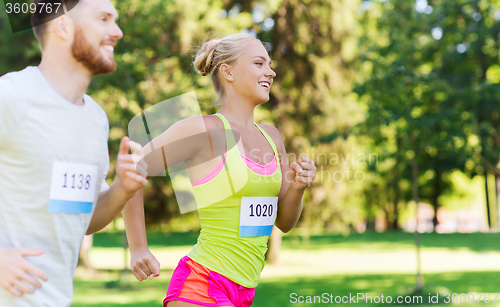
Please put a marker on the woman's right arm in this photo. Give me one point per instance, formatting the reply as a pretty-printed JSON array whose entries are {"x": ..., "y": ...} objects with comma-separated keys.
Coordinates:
[
  {"x": 181, "y": 142},
  {"x": 142, "y": 262}
]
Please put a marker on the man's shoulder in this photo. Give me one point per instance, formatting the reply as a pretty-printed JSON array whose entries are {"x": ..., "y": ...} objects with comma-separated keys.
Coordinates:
[
  {"x": 95, "y": 107},
  {"x": 21, "y": 77},
  {"x": 18, "y": 93},
  {"x": 19, "y": 84}
]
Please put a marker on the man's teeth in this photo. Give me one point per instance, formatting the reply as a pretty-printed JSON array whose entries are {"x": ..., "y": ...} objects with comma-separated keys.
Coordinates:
[{"x": 109, "y": 48}]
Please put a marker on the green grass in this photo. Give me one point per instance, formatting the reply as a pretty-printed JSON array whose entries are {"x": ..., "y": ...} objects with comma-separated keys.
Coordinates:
[
  {"x": 371, "y": 263},
  {"x": 372, "y": 240},
  {"x": 156, "y": 239},
  {"x": 277, "y": 292},
  {"x": 397, "y": 241}
]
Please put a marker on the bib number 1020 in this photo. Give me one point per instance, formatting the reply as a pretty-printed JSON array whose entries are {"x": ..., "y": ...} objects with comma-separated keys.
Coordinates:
[
  {"x": 257, "y": 215},
  {"x": 77, "y": 181},
  {"x": 261, "y": 210}
]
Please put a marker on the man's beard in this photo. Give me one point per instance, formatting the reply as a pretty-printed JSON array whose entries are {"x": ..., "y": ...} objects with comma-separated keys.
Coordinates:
[{"x": 84, "y": 53}]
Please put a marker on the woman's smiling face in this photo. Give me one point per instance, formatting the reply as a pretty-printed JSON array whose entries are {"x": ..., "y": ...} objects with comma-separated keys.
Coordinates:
[{"x": 252, "y": 72}]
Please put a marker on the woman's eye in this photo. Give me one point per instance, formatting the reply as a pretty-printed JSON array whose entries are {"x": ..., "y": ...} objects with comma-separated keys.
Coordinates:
[{"x": 259, "y": 63}]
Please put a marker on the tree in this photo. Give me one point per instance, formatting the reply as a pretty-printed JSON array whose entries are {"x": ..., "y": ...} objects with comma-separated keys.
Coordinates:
[{"x": 470, "y": 37}]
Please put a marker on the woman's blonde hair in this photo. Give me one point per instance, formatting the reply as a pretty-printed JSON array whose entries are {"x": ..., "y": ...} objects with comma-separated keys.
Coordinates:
[{"x": 216, "y": 52}]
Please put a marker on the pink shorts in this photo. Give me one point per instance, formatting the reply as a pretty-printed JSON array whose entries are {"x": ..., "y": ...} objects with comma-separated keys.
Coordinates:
[{"x": 194, "y": 283}]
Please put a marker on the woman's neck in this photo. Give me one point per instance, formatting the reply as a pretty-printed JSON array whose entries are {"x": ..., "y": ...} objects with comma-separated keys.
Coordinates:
[{"x": 239, "y": 112}]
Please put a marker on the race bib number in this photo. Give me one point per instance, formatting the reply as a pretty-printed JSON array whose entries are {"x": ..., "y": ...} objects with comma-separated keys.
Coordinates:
[
  {"x": 257, "y": 216},
  {"x": 72, "y": 188}
]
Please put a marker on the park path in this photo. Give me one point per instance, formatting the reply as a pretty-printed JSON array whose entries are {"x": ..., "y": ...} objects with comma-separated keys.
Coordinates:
[
  {"x": 298, "y": 263},
  {"x": 322, "y": 262}
]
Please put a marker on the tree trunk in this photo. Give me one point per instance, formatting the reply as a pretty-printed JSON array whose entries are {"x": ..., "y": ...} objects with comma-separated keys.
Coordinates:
[
  {"x": 83, "y": 259},
  {"x": 395, "y": 183},
  {"x": 273, "y": 245},
  {"x": 482, "y": 115},
  {"x": 397, "y": 194},
  {"x": 125, "y": 251},
  {"x": 414, "y": 172},
  {"x": 497, "y": 181},
  {"x": 487, "y": 198},
  {"x": 435, "y": 195},
  {"x": 414, "y": 182}
]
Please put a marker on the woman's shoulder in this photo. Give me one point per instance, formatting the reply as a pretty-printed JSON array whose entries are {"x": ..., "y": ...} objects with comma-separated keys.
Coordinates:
[
  {"x": 274, "y": 133},
  {"x": 212, "y": 122},
  {"x": 201, "y": 122},
  {"x": 271, "y": 130}
]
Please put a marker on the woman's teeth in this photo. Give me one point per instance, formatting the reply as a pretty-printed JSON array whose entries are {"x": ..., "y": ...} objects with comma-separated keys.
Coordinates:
[{"x": 264, "y": 84}]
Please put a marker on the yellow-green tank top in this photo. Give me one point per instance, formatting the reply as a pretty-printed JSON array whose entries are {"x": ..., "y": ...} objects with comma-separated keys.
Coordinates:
[{"x": 220, "y": 247}]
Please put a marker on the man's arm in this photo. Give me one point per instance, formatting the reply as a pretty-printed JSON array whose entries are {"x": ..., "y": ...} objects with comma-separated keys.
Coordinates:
[{"x": 131, "y": 178}]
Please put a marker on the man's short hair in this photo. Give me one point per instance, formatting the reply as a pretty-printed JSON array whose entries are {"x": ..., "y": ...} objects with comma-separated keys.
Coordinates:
[{"x": 43, "y": 15}]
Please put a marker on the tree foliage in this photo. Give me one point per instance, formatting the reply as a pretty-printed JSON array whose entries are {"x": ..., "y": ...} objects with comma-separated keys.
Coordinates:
[
  {"x": 374, "y": 91},
  {"x": 426, "y": 83}
]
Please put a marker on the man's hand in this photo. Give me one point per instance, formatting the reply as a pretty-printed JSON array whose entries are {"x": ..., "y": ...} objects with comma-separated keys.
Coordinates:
[
  {"x": 17, "y": 274},
  {"x": 131, "y": 173},
  {"x": 131, "y": 169},
  {"x": 144, "y": 264}
]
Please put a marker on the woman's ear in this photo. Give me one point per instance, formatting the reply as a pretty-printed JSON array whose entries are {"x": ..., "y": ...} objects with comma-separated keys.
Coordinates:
[{"x": 226, "y": 73}]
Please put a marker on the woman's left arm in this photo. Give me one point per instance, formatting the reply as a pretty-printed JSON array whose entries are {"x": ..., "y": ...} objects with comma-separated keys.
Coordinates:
[{"x": 294, "y": 180}]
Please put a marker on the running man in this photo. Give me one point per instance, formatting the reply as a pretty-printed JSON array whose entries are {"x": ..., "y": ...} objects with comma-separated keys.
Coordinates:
[
  {"x": 241, "y": 192},
  {"x": 54, "y": 157}
]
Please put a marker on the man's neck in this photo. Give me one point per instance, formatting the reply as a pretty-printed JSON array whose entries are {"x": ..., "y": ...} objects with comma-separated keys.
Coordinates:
[{"x": 68, "y": 78}]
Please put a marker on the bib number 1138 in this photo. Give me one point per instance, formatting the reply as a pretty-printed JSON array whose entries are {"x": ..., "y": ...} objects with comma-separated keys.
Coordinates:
[
  {"x": 257, "y": 216},
  {"x": 72, "y": 188},
  {"x": 82, "y": 181}
]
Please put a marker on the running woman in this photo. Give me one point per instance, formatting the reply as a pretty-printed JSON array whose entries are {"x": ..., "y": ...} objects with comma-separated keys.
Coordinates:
[
  {"x": 246, "y": 187},
  {"x": 54, "y": 156}
]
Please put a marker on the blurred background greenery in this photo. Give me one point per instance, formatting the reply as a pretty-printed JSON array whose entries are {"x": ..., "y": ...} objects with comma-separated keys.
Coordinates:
[{"x": 396, "y": 101}]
